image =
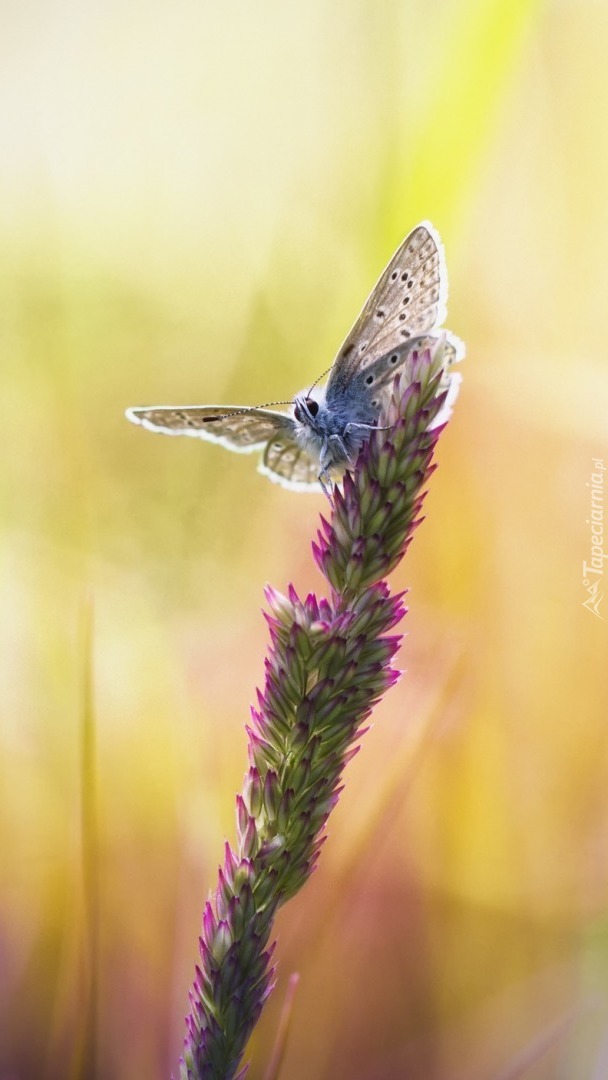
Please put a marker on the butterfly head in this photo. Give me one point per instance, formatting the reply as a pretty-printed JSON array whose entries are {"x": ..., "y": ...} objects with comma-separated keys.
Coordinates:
[
  {"x": 314, "y": 422},
  {"x": 305, "y": 410}
]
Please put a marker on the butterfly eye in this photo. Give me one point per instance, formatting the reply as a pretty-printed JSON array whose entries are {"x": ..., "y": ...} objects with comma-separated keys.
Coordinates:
[
  {"x": 297, "y": 412},
  {"x": 312, "y": 406}
]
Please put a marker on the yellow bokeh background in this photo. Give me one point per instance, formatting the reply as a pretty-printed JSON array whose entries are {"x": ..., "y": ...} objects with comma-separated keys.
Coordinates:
[{"x": 195, "y": 200}]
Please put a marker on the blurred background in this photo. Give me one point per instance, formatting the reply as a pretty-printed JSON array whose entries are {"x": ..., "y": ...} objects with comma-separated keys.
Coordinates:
[{"x": 195, "y": 200}]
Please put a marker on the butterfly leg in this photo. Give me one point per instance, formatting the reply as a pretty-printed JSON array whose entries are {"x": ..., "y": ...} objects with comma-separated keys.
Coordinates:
[
  {"x": 325, "y": 460},
  {"x": 325, "y": 483},
  {"x": 366, "y": 427}
]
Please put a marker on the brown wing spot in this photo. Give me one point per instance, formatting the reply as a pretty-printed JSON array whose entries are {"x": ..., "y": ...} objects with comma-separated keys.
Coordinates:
[
  {"x": 363, "y": 346},
  {"x": 405, "y": 333},
  {"x": 380, "y": 314},
  {"x": 204, "y": 419},
  {"x": 394, "y": 275},
  {"x": 410, "y": 283},
  {"x": 394, "y": 358},
  {"x": 404, "y": 276},
  {"x": 406, "y": 299},
  {"x": 402, "y": 316},
  {"x": 369, "y": 380}
]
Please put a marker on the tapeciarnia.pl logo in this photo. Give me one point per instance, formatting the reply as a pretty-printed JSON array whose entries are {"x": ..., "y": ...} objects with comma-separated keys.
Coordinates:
[{"x": 593, "y": 571}]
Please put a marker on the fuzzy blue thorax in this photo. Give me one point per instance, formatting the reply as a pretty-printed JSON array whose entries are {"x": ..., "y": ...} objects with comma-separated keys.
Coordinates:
[{"x": 332, "y": 432}]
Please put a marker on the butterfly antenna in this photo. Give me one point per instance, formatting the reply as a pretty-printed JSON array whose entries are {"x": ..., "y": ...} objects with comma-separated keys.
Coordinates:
[
  {"x": 319, "y": 377},
  {"x": 246, "y": 409}
]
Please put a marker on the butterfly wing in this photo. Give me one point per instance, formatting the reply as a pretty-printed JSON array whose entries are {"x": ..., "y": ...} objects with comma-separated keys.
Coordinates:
[
  {"x": 232, "y": 426},
  {"x": 408, "y": 301},
  {"x": 381, "y": 372},
  {"x": 288, "y": 464},
  {"x": 369, "y": 390}
]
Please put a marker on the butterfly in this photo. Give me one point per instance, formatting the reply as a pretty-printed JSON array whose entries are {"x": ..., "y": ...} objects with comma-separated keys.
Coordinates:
[{"x": 326, "y": 425}]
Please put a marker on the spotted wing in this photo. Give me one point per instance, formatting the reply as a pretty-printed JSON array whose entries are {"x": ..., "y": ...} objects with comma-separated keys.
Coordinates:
[
  {"x": 237, "y": 428},
  {"x": 408, "y": 301},
  {"x": 288, "y": 464},
  {"x": 364, "y": 394},
  {"x": 372, "y": 386}
]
